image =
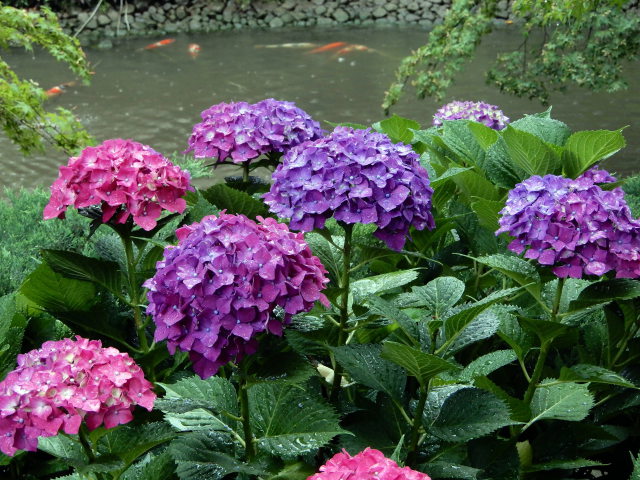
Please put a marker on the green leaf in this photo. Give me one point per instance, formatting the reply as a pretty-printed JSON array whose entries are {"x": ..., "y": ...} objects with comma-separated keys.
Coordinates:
[
  {"x": 421, "y": 365},
  {"x": 486, "y": 364},
  {"x": 459, "y": 137},
  {"x": 66, "y": 448},
  {"x": 515, "y": 268},
  {"x": 398, "y": 129},
  {"x": 483, "y": 326},
  {"x": 456, "y": 323},
  {"x": 377, "y": 284},
  {"x": 196, "y": 404},
  {"x": 151, "y": 467},
  {"x": 594, "y": 374},
  {"x": 447, "y": 175},
  {"x": 329, "y": 255},
  {"x": 635, "y": 475},
  {"x": 547, "y": 129},
  {"x": 485, "y": 136},
  {"x": 294, "y": 471},
  {"x": 55, "y": 293},
  {"x": 364, "y": 364},
  {"x": 488, "y": 212},
  {"x": 200, "y": 456},
  {"x": 560, "y": 401},
  {"x": 606, "y": 291},
  {"x": 12, "y": 328},
  {"x": 470, "y": 413},
  {"x": 130, "y": 442},
  {"x": 529, "y": 153},
  {"x": 520, "y": 411},
  {"x": 439, "y": 295},
  {"x": 286, "y": 367},
  {"x": 474, "y": 185},
  {"x": 79, "y": 267},
  {"x": 584, "y": 149},
  {"x": 235, "y": 201},
  {"x": 500, "y": 169},
  {"x": 447, "y": 470},
  {"x": 546, "y": 330},
  {"x": 415, "y": 332},
  {"x": 563, "y": 465},
  {"x": 288, "y": 422}
]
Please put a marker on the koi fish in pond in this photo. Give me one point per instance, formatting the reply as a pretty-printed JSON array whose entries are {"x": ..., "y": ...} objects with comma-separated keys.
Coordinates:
[
  {"x": 193, "y": 49},
  {"x": 161, "y": 43},
  {"x": 58, "y": 89},
  {"x": 354, "y": 48},
  {"x": 289, "y": 45},
  {"x": 328, "y": 47}
]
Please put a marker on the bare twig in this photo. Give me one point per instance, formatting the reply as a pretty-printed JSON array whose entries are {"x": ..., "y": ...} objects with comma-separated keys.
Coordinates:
[{"x": 93, "y": 14}]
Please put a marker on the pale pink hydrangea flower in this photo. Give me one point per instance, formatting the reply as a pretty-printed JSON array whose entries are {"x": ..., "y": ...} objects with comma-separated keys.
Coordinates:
[
  {"x": 370, "y": 464},
  {"x": 124, "y": 178},
  {"x": 63, "y": 383}
]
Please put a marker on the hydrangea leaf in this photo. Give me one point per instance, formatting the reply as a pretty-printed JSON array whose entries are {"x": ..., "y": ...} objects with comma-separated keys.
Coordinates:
[
  {"x": 473, "y": 184},
  {"x": 635, "y": 475},
  {"x": 130, "y": 442},
  {"x": 66, "y": 448},
  {"x": 470, "y": 413},
  {"x": 515, "y": 268},
  {"x": 563, "y": 465},
  {"x": 594, "y": 374},
  {"x": 80, "y": 267},
  {"x": 377, "y": 284},
  {"x": 530, "y": 153},
  {"x": 235, "y": 201},
  {"x": 448, "y": 470},
  {"x": 500, "y": 169},
  {"x": 546, "y": 330},
  {"x": 545, "y": 128},
  {"x": 152, "y": 467},
  {"x": 202, "y": 456},
  {"x": 560, "y": 401},
  {"x": 364, "y": 364},
  {"x": 485, "y": 136},
  {"x": 12, "y": 327},
  {"x": 486, "y": 364},
  {"x": 586, "y": 148},
  {"x": 196, "y": 404},
  {"x": 328, "y": 254},
  {"x": 606, "y": 291},
  {"x": 459, "y": 137},
  {"x": 288, "y": 421},
  {"x": 438, "y": 296},
  {"x": 418, "y": 364},
  {"x": 488, "y": 212},
  {"x": 482, "y": 326},
  {"x": 448, "y": 174},
  {"x": 397, "y": 128},
  {"x": 413, "y": 331},
  {"x": 520, "y": 411}
]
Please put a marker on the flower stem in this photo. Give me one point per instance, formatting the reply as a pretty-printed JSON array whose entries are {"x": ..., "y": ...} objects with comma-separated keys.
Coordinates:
[
  {"x": 415, "y": 428},
  {"x": 86, "y": 445},
  {"x": 134, "y": 292},
  {"x": 250, "y": 448},
  {"x": 245, "y": 172},
  {"x": 344, "y": 303}
]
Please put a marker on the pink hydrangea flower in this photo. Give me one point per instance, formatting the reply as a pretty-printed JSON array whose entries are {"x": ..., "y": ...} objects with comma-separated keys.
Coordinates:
[
  {"x": 370, "y": 464},
  {"x": 220, "y": 286},
  {"x": 124, "y": 178},
  {"x": 63, "y": 383}
]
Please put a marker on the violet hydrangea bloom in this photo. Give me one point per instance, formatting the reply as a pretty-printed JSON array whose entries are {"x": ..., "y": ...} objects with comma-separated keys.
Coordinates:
[
  {"x": 123, "y": 177},
  {"x": 243, "y": 131},
  {"x": 355, "y": 176},
  {"x": 219, "y": 287},
  {"x": 573, "y": 225},
  {"x": 367, "y": 465},
  {"x": 63, "y": 383},
  {"x": 489, "y": 115}
]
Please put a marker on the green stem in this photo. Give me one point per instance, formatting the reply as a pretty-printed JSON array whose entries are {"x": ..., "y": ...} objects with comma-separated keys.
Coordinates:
[
  {"x": 134, "y": 292},
  {"x": 250, "y": 448},
  {"x": 86, "y": 445},
  {"x": 344, "y": 304},
  {"x": 556, "y": 300},
  {"x": 245, "y": 172},
  {"x": 537, "y": 372},
  {"x": 415, "y": 428},
  {"x": 629, "y": 334}
]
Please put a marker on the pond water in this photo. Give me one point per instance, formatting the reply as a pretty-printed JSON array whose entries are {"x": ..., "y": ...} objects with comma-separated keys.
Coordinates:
[{"x": 155, "y": 96}]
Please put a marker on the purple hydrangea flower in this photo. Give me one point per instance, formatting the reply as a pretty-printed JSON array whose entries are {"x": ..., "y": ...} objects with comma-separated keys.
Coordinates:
[
  {"x": 243, "y": 131},
  {"x": 355, "y": 176},
  {"x": 481, "y": 112},
  {"x": 573, "y": 225},
  {"x": 218, "y": 288}
]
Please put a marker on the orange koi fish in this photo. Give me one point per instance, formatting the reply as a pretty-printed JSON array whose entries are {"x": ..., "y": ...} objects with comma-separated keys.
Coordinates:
[
  {"x": 327, "y": 47},
  {"x": 194, "y": 50},
  {"x": 58, "y": 89},
  {"x": 354, "y": 48},
  {"x": 161, "y": 43}
]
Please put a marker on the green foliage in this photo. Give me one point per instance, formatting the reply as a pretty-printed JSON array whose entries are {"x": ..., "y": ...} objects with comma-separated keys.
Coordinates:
[
  {"x": 23, "y": 115},
  {"x": 564, "y": 43}
]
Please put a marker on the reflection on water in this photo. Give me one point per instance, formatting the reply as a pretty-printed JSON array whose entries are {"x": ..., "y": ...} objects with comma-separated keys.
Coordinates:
[{"x": 154, "y": 96}]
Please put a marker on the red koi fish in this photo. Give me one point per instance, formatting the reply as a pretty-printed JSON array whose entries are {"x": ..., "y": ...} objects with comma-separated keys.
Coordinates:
[
  {"x": 194, "y": 50},
  {"x": 327, "y": 47},
  {"x": 161, "y": 43},
  {"x": 354, "y": 48},
  {"x": 58, "y": 89}
]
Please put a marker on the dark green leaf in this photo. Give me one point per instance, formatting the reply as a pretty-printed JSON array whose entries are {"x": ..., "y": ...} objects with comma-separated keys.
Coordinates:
[
  {"x": 529, "y": 153},
  {"x": 446, "y": 470},
  {"x": 235, "y": 201},
  {"x": 606, "y": 291},
  {"x": 594, "y": 374},
  {"x": 377, "y": 284},
  {"x": 563, "y": 465},
  {"x": 486, "y": 364},
  {"x": 547, "y": 129},
  {"x": 560, "y": 401},
  {"x": 421, "y": 365},
  {"x": 130, "y": 442},
  {"x": 439, "y": 295}
]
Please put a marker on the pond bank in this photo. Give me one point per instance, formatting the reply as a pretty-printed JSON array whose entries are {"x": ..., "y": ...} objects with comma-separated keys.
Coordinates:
[{"x": 195, "y": 16}]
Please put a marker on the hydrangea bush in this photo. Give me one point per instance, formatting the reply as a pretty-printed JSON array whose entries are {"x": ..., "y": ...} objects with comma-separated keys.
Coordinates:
[
  {"x": 394, "y": 336},
  {"x": 485, "y": 113}
]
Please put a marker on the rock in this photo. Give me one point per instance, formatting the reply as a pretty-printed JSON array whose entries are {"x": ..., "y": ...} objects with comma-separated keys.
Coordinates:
[
  {"x": 158, "y": 17},
  {"x": 318, "y": 2},
  {"x": 287, "y": 18},
  {"x": 413, "y": 7},
  {"x": 217, "y": 7},
  {"x": 171, "y": 27},
  {"x": 340, "y": 15},
  {"x": 113, "y": 14},
  {"x": 167, "y": 6},
  {"x": 103, "y": 20},
  {"x": 83, "y": 16},
  {"x": 128, "y": 8},
  {"x": 411, "y": 18},
  {"x": 288, "y": 4},
  {"x": 181, "y": 12},
  {"x": 324, "y": 21},
  {"x": 391, "y": 7},
  {"x": 105, "y": 44},
  {"x": 364, "y": 13},
  {"x": 194, "y": 24},
  {"x": 379, "y": 12},
  {"x": 320, "y": 10},
  {"x": 276, "y": 23}
]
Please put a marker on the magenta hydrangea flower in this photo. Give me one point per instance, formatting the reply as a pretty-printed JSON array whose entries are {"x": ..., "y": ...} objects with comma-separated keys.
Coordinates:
[
  {"x": 369, "y": 464},
  {"x": 355, "y": 176},
  {"x": 243, "y": 131},
  {"x": 63, "y": 383},
  {"x": 481, "y": 112},
  {"x": 124, "y": 178},
  {"x": 573, "y": 225},
  {"x": 222, "y": 283}
]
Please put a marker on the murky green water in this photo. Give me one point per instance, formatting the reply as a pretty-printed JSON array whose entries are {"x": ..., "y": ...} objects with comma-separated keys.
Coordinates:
[{"x": 155, "y": 96}]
